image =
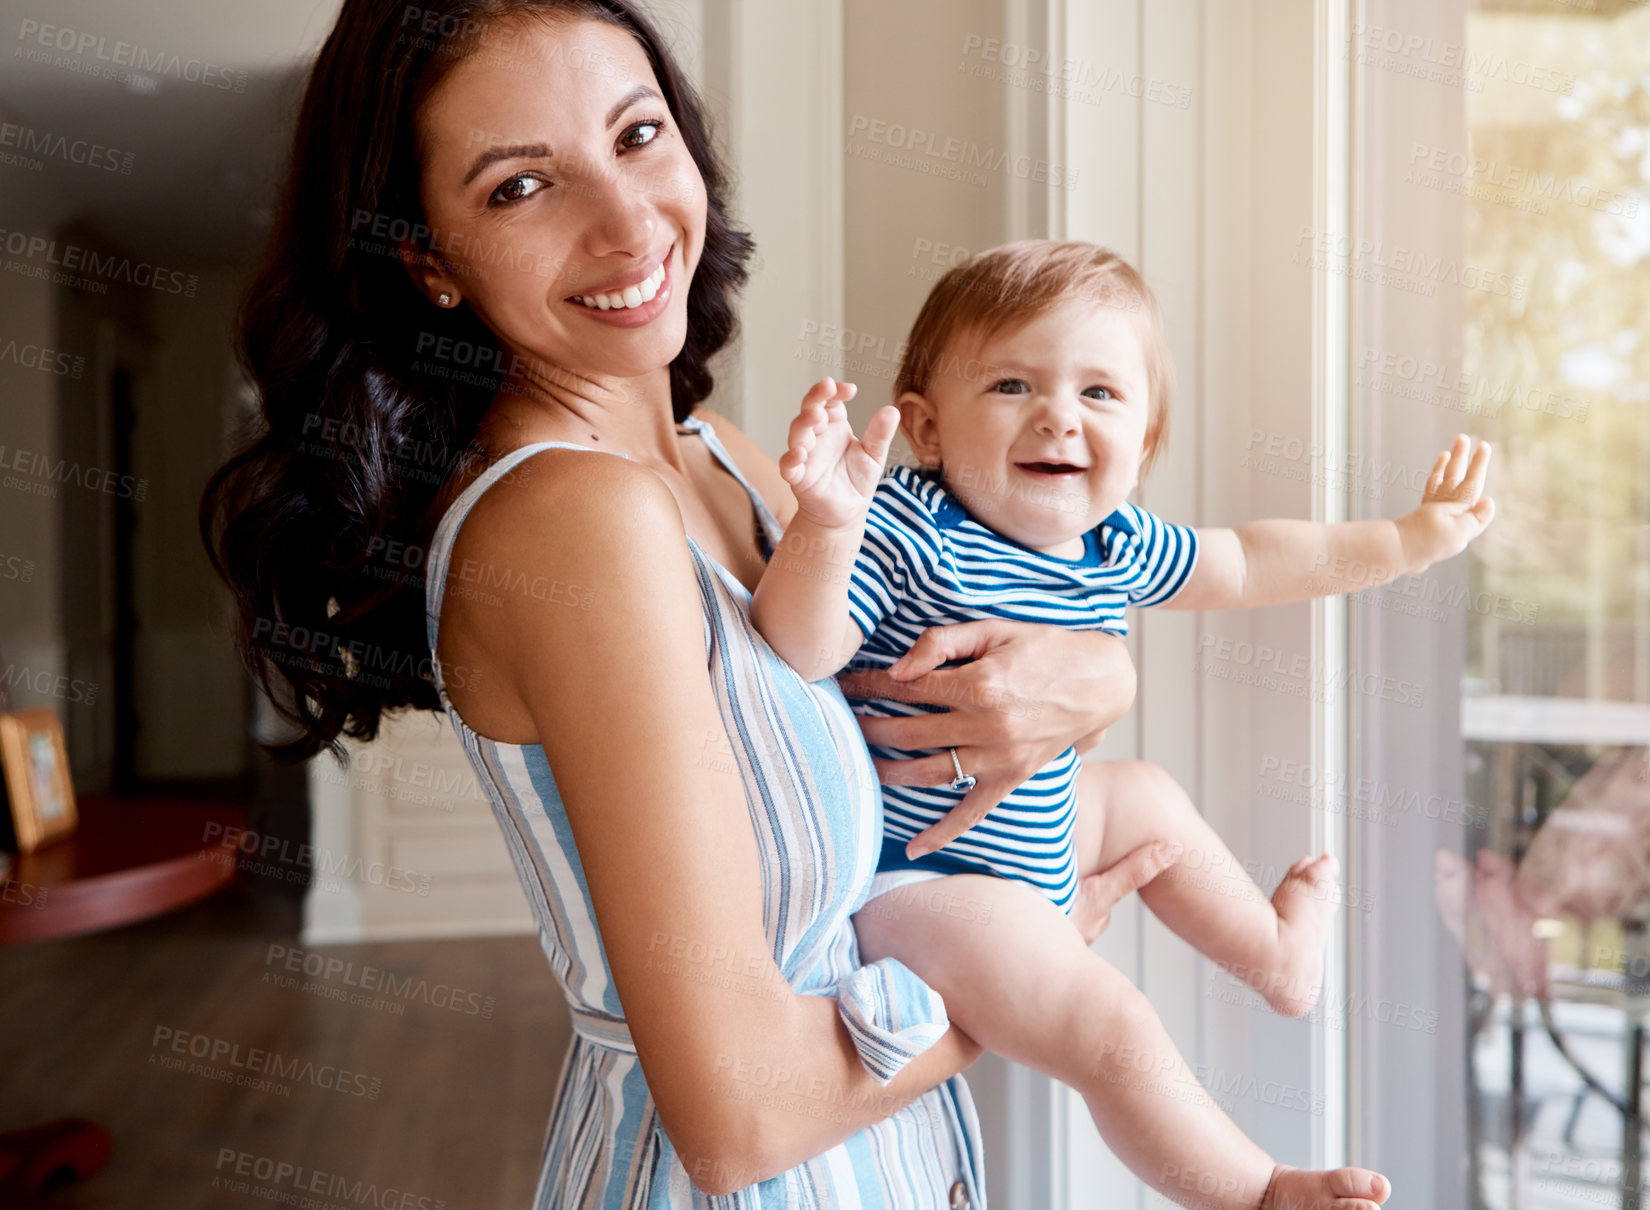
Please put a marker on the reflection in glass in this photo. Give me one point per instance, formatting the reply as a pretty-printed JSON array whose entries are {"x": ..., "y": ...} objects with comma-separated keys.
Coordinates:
[{"x": 1556, "y": 708}]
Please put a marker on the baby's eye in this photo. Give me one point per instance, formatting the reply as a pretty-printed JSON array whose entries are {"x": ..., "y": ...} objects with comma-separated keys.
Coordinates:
[
  {"x": 1011, "y": 386},
  {"x": 517, "y": 188},
  {"x": 1098, "y": 393}
]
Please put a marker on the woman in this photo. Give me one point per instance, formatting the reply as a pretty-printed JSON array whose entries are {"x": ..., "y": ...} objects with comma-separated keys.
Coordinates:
[{"x": 530, "y": 187}]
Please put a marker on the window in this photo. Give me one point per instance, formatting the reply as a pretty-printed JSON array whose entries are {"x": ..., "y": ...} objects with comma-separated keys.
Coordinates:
[{"x": 1503, "y": 162}]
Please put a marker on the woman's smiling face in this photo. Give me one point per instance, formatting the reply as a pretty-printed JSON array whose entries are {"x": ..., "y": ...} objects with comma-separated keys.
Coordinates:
[{"x": 567, "y": 211}]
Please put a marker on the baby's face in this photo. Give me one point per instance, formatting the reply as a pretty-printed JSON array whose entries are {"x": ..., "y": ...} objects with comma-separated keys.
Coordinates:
[{"x": 1041, "y": 429}]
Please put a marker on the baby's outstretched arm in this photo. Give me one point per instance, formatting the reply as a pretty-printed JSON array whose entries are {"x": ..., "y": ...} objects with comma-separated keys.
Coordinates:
[
  {"x": 801, "y": 604},
  {"x": 1270, "y": 562}
]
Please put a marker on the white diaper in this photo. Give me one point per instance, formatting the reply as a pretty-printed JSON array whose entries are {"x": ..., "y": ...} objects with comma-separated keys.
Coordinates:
[{"x": 891, "y": 880}]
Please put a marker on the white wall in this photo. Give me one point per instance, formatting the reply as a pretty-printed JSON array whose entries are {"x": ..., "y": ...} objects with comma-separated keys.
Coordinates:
[
  {"x": 772, "y": 74},
  {"x": 906, "y": 221},
  {"x": 1198, "y": 164}
]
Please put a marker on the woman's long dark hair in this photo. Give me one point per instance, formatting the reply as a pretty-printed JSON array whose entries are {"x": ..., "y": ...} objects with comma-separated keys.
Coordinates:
[{"x": 320, "y": 523}]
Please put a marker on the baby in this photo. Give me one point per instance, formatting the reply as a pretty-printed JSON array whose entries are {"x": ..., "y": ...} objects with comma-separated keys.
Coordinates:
[{"x": 1034, "y": 391}]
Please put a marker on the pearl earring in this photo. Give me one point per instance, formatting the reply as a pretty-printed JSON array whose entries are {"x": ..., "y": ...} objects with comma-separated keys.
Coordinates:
[{"x": 446, "y": 299}]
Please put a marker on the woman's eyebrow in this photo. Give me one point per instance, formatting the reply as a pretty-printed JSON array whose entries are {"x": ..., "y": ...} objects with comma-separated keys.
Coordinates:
[
  {"x": 517, "y": 151},
  {"x": 541, "y": 151},
  {"x": 629, "y": 99}
]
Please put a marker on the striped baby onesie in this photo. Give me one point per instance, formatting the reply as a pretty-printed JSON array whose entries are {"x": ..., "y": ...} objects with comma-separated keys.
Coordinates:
[{"x": 926, "y": 562}]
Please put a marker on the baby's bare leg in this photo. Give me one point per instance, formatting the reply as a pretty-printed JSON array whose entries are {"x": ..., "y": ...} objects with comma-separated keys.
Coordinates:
[
  {"x": 1276, "y": 948},
  {"x": 1018, "y": 979}
]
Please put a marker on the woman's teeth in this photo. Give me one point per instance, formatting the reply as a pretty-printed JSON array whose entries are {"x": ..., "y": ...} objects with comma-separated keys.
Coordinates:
[{"x": 631, "y": 296}]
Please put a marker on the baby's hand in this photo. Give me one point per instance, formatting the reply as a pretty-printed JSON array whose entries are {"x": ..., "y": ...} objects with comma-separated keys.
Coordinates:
[
  {"x": 1453, "y": 508},
  {"x": 832, "y": 474}
]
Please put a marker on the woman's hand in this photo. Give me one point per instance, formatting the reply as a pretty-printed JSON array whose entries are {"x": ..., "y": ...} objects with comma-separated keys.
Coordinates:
[{"x": 1029, "y": 693}]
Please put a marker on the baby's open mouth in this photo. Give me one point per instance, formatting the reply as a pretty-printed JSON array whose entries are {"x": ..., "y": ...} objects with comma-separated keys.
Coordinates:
[{"x": 1051, "y": 468}]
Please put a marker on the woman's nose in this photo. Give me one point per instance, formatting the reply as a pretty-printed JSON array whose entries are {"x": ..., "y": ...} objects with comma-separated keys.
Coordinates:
[{"x": 623, "y": 216}]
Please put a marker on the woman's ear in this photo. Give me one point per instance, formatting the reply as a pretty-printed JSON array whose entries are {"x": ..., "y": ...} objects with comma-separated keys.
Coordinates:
[
  {"x": 431, "y": 278},
  {"x": 919, "y": 421}
]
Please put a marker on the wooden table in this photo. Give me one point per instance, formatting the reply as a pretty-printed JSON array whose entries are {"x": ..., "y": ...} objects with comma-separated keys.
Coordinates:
[{"x": 129, "y": 859}]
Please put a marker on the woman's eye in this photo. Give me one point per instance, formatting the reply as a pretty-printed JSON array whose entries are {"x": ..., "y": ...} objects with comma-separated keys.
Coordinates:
[
  {"x": 641, "y": 134},
  {"x": 1011, "y": 386},
  {"x": 1098, "y": 393},
  {"x": 517, "y": 188}
]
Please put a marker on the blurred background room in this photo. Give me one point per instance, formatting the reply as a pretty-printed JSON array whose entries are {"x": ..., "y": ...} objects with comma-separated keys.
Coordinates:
[{"x": 1371, "y": 224}]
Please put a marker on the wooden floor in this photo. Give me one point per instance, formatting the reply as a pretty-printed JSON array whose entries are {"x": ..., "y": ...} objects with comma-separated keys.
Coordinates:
[{"x": 461, "y": 1105}]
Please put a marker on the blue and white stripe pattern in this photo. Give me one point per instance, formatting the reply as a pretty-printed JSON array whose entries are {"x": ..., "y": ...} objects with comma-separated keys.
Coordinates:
[
  {"x": 926, "y": 562},
  {"x": 816, "y": 812},
  {"x": 891, "y": 1015}
]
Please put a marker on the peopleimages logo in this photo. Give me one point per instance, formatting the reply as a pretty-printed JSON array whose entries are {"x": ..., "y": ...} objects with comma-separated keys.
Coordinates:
[
  {"x": 252, "y": 1066},
  {"x": 43, "y": 682},
  {"x": 941, "y": 155},
  {"x": 15, "y": 567},
  {"x": 47, "y": 145},
  {"x": 281, "y": 1182},
  {"x": 40, "y": 476},
  {"x": 109, "y": 266},
  {"x": 1434, "y": 167},
  {"x": 1393, "y": 265},
  {"x": 75, "y": 45},
  {"x": 1450, "y": 63},
  {"x": 45, "y": 360}
]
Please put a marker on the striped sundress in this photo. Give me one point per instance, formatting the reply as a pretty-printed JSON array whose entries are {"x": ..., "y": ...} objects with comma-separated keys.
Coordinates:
[
  {"x": 926, "y": 562},
  {"x": 815, "y": 807}
]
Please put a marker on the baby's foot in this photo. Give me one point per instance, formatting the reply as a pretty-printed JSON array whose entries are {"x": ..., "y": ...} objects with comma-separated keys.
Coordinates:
[
  {"x": 1339, "y": 1189},
  {"x": 1305, "y": 902}
]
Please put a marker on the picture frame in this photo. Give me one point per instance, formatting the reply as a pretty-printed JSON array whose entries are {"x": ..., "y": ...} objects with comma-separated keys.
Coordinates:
[{"x": 35, "y": 762}]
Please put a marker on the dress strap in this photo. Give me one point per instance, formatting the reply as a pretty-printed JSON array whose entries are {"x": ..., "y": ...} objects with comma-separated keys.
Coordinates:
[
  {"x": 446, "y": 534},
  {"x": 771, "y": 529}
]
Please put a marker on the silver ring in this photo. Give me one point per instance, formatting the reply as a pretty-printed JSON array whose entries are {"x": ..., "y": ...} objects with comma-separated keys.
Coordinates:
[{"x": 963, "y": 782}]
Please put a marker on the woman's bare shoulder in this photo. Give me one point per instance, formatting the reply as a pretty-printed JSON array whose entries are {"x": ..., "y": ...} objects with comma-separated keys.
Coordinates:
[
  {"x": 761, "y": 470},
  {"x": 562, "y": 560},
  {"x": 561, "y": 523},
  {"x": 569, "y": 500}
]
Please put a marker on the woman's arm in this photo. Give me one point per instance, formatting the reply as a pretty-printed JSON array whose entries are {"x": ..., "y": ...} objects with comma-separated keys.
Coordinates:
[
  {"x": 1030, "y": 692},
  {"x": 621, "y": 698}
]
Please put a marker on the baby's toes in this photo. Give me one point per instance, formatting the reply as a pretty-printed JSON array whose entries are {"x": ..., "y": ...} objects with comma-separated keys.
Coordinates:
[
  {"x": 1359, "y": 1188},
  {"x": 1326, "y": 868},
  {"x": 1339, "y": 1189}
]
